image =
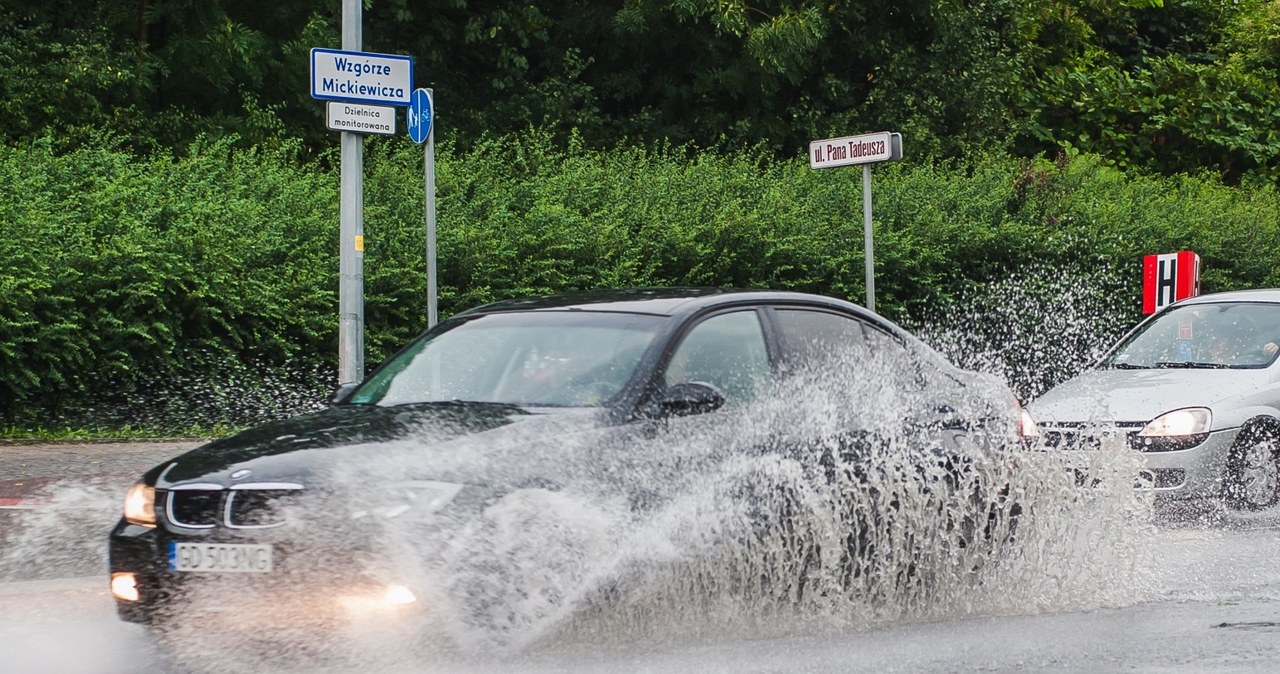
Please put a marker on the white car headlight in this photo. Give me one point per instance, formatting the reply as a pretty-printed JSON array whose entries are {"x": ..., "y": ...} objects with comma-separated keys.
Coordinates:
[
  {"x": 1178, "y": 423},
  {"x": 140, "y": 505}
]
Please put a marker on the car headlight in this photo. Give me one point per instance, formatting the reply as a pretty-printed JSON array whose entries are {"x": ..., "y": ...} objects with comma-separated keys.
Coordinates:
[
  {"x": 1178, "y": 423},
  {"x": 140, "y": 505}
]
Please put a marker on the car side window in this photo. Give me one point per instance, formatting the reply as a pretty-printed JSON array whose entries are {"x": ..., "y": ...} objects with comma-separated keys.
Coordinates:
[
  {"x": 814, "y": 338},
  {"x": 883, "y": 343},
  {"x": 727, "y": 351},
  {"x": 895, "y": 354}
]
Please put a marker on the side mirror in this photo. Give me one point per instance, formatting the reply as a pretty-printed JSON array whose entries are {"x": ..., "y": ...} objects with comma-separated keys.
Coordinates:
[
  {"x": 690, "y": 397},
  {"x": 342, "y": 392}
]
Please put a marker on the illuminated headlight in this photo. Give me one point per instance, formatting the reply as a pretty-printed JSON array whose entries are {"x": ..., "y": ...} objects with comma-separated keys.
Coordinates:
[
  {"x": 140, "y": 505},
  {"x": 124, "y": 586},
  {"x": 1178, "y": 423},
  {"x": 397, "y": 595},
  {"x": 370, "y": 602}
]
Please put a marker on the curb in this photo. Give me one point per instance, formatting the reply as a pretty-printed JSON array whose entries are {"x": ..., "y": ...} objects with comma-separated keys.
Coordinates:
[{"x": 25, "y": 442}]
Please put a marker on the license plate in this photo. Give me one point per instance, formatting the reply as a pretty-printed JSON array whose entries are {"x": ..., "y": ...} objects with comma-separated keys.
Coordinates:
[{"x": 220, "y": 557}]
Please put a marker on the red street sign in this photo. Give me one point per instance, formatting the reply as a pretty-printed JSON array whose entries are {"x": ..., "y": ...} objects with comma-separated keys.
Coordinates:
[{"x": 1167, "y": 278}]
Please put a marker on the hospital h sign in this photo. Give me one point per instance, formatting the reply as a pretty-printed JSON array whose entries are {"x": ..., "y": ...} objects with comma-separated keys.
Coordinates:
[{"x": 1167, "y": 278}]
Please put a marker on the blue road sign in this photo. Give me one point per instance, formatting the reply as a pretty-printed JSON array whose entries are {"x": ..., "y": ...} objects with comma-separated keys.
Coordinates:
[{"x": 419, "y": 115}]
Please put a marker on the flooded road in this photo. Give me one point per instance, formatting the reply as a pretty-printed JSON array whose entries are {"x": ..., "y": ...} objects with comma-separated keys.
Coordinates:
[{"x": 1213, "y": 604}]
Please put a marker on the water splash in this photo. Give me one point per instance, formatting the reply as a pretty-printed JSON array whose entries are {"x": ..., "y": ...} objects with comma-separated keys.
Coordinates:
[
  {"x": 61, "y": 532},
  {"x": 203, "y": 391},
  {"x": 785, "y": 519},
  {"x": 567, "y": 532},
  {"x": 1037, "y": 327}
]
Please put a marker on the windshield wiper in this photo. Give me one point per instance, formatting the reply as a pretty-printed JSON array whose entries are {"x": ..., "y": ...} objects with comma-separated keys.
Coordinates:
[
  {"x": 1128, "y": 366},
  {"x": 1190, "y": 365},
  {"x": 458, "y": 402}
]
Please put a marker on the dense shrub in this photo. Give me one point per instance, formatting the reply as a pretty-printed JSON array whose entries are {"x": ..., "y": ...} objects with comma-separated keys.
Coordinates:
[
  {"x": 134, "y": 290},
  {"x": 122, "y": 272}
]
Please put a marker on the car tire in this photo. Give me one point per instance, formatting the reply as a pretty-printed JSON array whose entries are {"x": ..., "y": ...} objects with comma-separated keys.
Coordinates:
[{"x": 1253, "y": 469}]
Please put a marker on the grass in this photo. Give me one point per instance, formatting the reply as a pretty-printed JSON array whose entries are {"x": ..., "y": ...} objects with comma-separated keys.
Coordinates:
[{"x": 127, "y": 433}]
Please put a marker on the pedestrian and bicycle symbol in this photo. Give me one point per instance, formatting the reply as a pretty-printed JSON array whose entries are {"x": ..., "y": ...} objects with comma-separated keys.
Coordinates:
[{"x": 419, "y": 115}]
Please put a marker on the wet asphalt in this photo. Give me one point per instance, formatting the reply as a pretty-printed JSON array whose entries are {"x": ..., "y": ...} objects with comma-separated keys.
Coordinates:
[{"x": 28, "y": 468}]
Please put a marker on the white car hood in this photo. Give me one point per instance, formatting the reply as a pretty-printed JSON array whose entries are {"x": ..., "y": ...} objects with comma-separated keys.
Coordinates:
[{"x": 1142, "y": 395}]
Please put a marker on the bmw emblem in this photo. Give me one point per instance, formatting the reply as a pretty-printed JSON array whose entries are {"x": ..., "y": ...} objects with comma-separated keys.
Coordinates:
[{"x": 241, "y": 474}]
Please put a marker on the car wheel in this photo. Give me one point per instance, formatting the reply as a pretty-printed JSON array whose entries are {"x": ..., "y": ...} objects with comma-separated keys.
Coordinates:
[{"x": 1253, "y": 470}]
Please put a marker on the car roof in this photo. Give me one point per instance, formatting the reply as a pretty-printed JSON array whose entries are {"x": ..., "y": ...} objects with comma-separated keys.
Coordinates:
[
  {"x": 657, "y": 301},
  {"x": 1258, "y": 295}
]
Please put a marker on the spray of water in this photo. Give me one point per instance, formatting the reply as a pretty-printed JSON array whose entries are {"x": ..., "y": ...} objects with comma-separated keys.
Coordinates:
[
  {"x": 60, "y": 533},
  {"x": 824, "y": 508},
  {"x": 816, "y": 510},
  {"x": 203, "y": 391},
  {"x": 1038, "y": 326}
]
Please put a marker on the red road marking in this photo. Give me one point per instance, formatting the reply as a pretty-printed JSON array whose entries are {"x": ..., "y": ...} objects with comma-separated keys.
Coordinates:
[
  {"x": 23, "y": 503},
  {"x": 17, "y": 493}
]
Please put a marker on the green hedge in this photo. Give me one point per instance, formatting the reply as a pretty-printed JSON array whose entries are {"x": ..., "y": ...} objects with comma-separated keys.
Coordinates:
[
  {"x": 203, "y": 289},
  {"x": 123, "y": 274}
]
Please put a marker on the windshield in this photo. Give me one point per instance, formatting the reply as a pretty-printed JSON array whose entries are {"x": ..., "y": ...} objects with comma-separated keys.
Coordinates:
[
  {"x": 1224, "y": 335},
  {"x": 544, "y": 358}
]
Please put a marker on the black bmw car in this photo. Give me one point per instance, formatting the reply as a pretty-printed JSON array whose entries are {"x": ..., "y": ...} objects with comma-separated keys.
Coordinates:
[{"x": 649, "y": 396}]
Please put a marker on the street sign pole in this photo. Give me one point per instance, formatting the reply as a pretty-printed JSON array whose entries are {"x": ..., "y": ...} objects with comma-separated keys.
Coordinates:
[
  {"x": 367, "y": 88},
  {"x": 351, "y": 259},
  {"x": 421, "y": 128},
  {"x": 866, "y": 237},
  {"x": 429, "y": 183}
]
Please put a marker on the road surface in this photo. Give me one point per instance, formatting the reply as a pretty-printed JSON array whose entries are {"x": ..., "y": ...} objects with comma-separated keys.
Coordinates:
[{"x": 1214, "y": 604}]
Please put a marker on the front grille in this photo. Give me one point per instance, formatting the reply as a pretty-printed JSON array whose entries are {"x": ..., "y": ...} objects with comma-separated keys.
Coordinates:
[
  {"x": 1073, "y": 440},
  {"x": 1166, "y": 478},
  {"x": 1087, "y": 437},
  {"x": 195, "y": 508},
  {"x": 257, "y": 508},
  {"x": 245, "y": 506}
]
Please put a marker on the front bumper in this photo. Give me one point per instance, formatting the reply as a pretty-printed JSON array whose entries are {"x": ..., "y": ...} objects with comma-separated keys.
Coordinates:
[
  {"x": 1197, "y": 471},
  {"x": 307, "y": 587}
]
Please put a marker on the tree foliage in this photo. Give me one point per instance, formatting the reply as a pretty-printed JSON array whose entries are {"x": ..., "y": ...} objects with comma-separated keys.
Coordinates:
[
  {"x": 171, "y": 204},
  {"x": 1173, "y": 86},
  {"x": 1194, "y": 85}
]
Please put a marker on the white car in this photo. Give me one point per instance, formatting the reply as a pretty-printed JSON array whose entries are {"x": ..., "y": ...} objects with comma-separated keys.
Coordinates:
[{"x": 1196, "y": 389}]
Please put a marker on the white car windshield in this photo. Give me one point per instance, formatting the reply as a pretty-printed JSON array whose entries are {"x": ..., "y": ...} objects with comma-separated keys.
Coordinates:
[
  {"x": 536, "y": 359},
  {"x": 1242, "y": 335}
]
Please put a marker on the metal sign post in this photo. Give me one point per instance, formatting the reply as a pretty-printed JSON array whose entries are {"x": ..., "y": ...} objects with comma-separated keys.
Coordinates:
[
  {"x": 351, "y": 258},
  {"x": 421, "y": 116},
  {"x": 362, "y": 84},
  {"x": 866, "y": 150},
  {"x": 868, "y": 244}
]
